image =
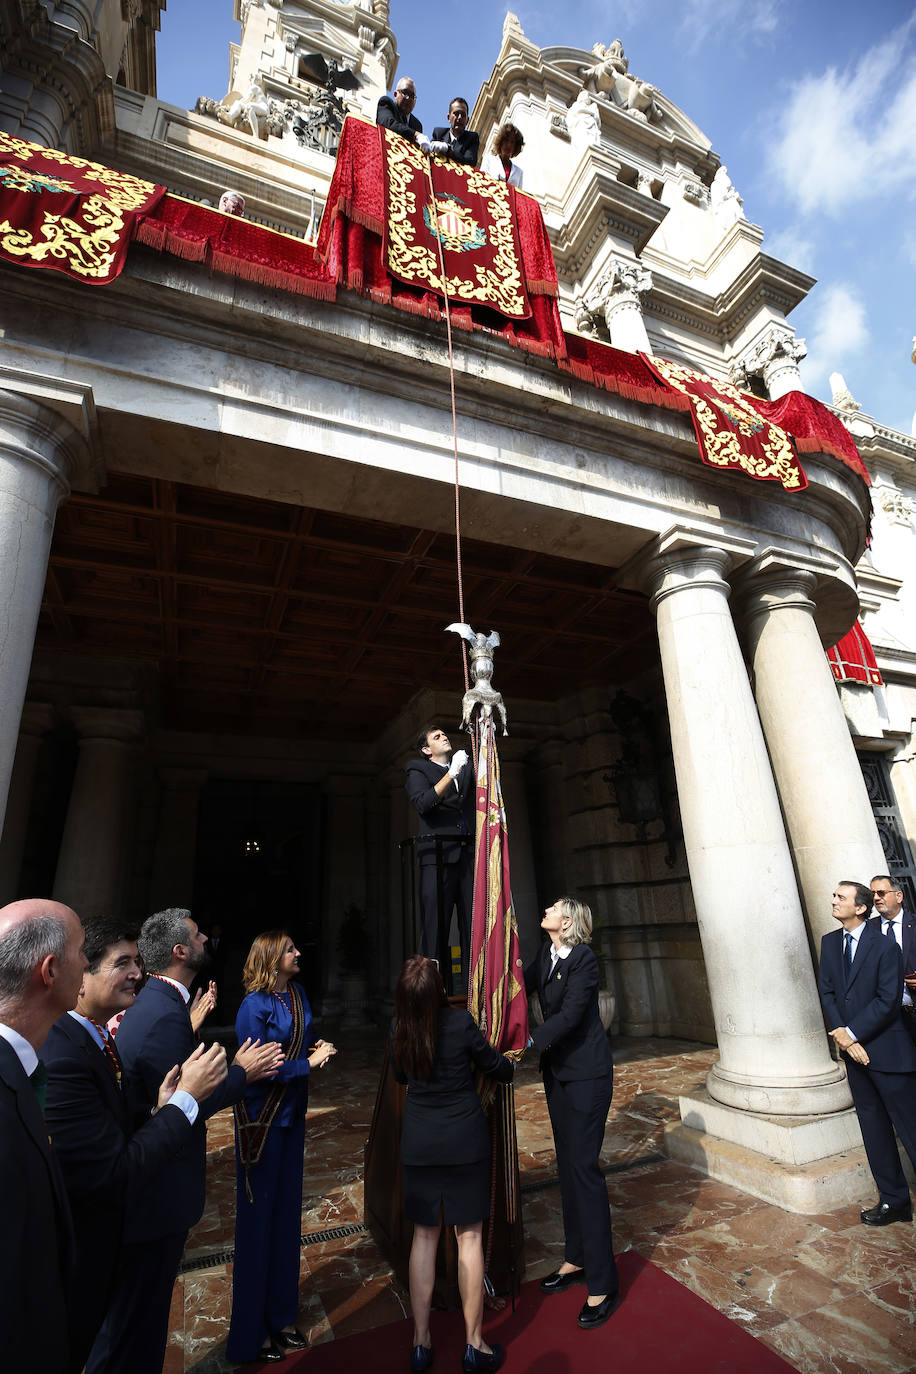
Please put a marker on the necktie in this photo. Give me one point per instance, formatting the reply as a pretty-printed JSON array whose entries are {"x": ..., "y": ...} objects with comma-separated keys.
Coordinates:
[
  {"x": 889, "y": 930},
  {"x": 847, "y": 954},
  {"x": 109, "y": 1049},
  {"x": 38, "y": 1079}
]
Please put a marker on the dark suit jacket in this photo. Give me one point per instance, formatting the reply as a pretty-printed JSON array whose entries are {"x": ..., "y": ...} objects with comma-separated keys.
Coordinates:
[
  {"x": 572, "y": 1041},
  {"x": 389, "y": 116},
  {"x": 443, "y": 1119},
  {"x": 36, "y": 1250},
  {"x": 869, "y": 1004},
  {"x": 908, "y": 922},
  {"x": 156, "y": 1034},
  {"x": 466, "y": 147},
  {"x": 453, "y": 814},
  {"x": 103, "y": 1163}
]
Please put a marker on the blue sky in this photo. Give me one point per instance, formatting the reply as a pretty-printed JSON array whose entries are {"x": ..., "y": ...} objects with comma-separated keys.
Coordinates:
[{"x": 810, "y": 103}]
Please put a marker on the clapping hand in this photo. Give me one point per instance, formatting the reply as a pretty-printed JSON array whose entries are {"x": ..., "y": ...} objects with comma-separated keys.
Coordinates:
[
  {"x": 259, "y": 1061},
  {"x": 202, "y": 1005}
]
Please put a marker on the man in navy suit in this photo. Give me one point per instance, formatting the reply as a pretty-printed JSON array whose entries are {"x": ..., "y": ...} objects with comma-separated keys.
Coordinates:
[
  {"x": 155, "y": 1035},
  {"x": 861, "y": 983},
  {"x": 41, "y": 968},
  {"x": 441, "y": 788},
  {"x": 902, "y": 926},
  {"x": 457, "y": 141},
  {"x": 396, "y": 113},
  {"x": 104, "y": 1149}
]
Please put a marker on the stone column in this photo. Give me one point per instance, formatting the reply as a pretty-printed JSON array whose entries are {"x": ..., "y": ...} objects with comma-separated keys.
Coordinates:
[
  {"x": 344, "y": 885},
  {"x": 40, "y": 455},
  {"x": 774, "y": 356},
  {"x": 773, "y": 1052},
  {"x": 89, "y": 865},
  {"x": 172, "y": 880},
  {"x": 828, "y": 815},
  {"x": 621, "y": 289},
  {"x": 37, "y": 719}
]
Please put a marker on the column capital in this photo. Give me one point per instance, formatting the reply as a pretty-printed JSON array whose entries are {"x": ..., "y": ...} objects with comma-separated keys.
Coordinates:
[
  {"x": 684, "y": 557},
  {"x": 51, "y": 436},
  {"x": 782, "y": 579},
  {"x": 106, "y": 723}
]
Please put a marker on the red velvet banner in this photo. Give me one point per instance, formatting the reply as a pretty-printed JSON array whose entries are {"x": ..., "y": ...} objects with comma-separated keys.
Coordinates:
[
  {"x": 433, "y": 204},
  {"x": 67, "y": 213},
  {"x": 730, "y": 432},
  {"x": 852, "y": 659},
  {"x": 496, "y": 986},
  {"x": 814, "y": 428},
  {"x": 351, "y": 244}
]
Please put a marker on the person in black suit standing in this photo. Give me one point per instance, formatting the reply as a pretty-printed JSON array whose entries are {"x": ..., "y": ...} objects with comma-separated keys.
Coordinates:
[
  {"x": 102, "y": 1155},
  {"x": 893, "y": 920},
  {"x": 41, "y": 968},
  {"x": 861, "y": 983},
  {"x": 579, "y": 1082},
  {"x": 457, "y": 141},
  {"x": 156, "y": 1034},
  {"x": 445, "y": 1149},
  {"x": 396, "y": 113},
  {"x": 440, "y": 785}
]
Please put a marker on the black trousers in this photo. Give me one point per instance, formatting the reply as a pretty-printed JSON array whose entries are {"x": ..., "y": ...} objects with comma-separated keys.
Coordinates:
[
  {"x": 457, "y": 891},
  {"x": 135, "y": 1331},
  {"x": 578, "y": 1115},
  {"x": 885, "y": 1102}
]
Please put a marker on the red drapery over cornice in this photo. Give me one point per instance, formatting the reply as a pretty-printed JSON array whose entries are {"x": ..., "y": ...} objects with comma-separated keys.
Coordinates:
[{"x": 852, "y": 659}]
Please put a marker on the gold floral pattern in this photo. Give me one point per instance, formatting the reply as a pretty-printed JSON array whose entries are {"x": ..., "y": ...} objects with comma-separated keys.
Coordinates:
[
  {"x": 745, "y": 440},
  {"x": 88, "y": 241},
  {"x": 492, "y": 275}
]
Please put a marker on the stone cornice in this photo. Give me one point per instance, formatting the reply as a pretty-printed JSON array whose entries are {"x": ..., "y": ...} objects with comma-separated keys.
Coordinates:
[{"x": 596, "y": 203}]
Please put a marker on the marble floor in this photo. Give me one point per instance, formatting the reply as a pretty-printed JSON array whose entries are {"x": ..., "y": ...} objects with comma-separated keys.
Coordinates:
[{"x": 825, "y": 1292}]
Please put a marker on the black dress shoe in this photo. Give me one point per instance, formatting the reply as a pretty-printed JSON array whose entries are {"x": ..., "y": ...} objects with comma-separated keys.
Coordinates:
[
  {"x": 269, "y": 1354},
  {"x": 882, "y": 1214},
  {"x": 421, "y": 1357},
  {"x": 557, "y": 1282},
  {"x": 598, "y": 1315},
  {"x": 475, "y": 1359},
  {"x": 290, "y": 1340}
]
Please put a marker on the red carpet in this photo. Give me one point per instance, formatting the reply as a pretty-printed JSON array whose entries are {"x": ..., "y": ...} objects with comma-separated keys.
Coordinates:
[{"x": 660, "y": 1325}]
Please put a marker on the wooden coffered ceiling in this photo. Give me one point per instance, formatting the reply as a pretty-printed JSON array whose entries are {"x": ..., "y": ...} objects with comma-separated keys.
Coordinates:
[{"x": 274, "y": 619}]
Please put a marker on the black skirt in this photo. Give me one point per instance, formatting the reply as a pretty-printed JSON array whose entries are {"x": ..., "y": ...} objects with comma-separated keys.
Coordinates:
[{"x": 460, "y": 1193}]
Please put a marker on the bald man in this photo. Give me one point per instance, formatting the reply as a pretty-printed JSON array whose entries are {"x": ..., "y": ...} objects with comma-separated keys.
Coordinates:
[{"x": 41, "y": 970}]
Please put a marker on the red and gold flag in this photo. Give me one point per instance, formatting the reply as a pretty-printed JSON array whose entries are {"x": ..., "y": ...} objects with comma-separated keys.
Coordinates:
[{"x": 496, "y": 986}]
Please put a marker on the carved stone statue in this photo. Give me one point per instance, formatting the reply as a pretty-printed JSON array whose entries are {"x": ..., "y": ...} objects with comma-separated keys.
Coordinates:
[
  {"x": 610, "y": 76},
  {"x": 249, "y": 111},
  {"x": 584, "y": 121},
  {"x": 482, "y": 694},
  {"x": 841, "y": 396},
  {"x": 726, "y": 203}
]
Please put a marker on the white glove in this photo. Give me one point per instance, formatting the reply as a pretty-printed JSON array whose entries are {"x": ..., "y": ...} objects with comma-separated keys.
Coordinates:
[
  {"x": 422, "y": 142},
  {"x": 459, "y": 759},
  {"x": 438, "y": 145}
]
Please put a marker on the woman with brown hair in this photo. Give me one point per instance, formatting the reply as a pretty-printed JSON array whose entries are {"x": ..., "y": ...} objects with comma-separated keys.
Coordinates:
[
  {"x": 498, "y": 162},
  {"x": 269, "y": 1145},
  {"x": 445, "y": 1149}
]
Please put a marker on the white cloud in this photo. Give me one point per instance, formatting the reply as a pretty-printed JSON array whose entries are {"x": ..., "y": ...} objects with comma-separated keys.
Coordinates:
[
  {"x": 837, "y": 332},
  {"x": 848, "y": 135},
  {"x": 794, "y": 246},
  {"x": 740, "y": 18}
]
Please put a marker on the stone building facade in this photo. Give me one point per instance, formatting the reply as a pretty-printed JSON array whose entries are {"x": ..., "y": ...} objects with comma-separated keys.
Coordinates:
[{"x": 227, "y": 549}]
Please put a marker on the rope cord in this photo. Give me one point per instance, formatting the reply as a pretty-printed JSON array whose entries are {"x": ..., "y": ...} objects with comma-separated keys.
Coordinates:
[{"x": 451, "y": 378}]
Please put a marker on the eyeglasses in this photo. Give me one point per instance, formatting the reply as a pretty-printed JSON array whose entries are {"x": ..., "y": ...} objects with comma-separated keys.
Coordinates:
[
  {"x": 883, "y": 891},
  {"x": 411, "y": 95}
]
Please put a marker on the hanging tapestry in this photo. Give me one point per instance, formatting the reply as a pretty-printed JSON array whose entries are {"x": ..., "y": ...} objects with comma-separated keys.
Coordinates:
[
  {"x": 730, "y": 432},
  {"x": 67, "y": 213},
  {"x": 431, "y": 202}
]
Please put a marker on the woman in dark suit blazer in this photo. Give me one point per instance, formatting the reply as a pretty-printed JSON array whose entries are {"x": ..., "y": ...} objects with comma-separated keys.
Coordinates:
[
  {"x": 579, "y": 1081},
  {"x": 445, "y": 1149}
]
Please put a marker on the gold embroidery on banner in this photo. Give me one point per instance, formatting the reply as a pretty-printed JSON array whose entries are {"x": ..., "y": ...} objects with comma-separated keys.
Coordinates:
[
  {"x": 723, "y": 447},
  {"x": 88, "y": 240},
  {"x": 500, "y": 285}
]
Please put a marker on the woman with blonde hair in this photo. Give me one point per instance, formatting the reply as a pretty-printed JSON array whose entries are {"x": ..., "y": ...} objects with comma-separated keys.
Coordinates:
[
  {"x": 578, "y": 1081},
  {"x": 269, "y": 1145},
  {"x": 498, "y": 162},
  {"x": 445, "y": 1150}
]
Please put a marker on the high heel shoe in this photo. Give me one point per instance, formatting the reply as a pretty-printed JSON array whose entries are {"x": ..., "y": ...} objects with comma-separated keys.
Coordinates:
[
  {"x": 421, "y": 1357},
  {"x": 482, "y": 1360}
]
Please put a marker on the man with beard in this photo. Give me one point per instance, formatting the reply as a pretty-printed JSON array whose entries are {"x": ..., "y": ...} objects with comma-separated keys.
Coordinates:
[
  {"x": 102, "y": 1155},
  {"x": 155, "y": 1035}
]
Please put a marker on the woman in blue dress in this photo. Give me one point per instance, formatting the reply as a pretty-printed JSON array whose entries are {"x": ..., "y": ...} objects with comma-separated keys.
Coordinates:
[{"x": 269, "y": 1146}]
